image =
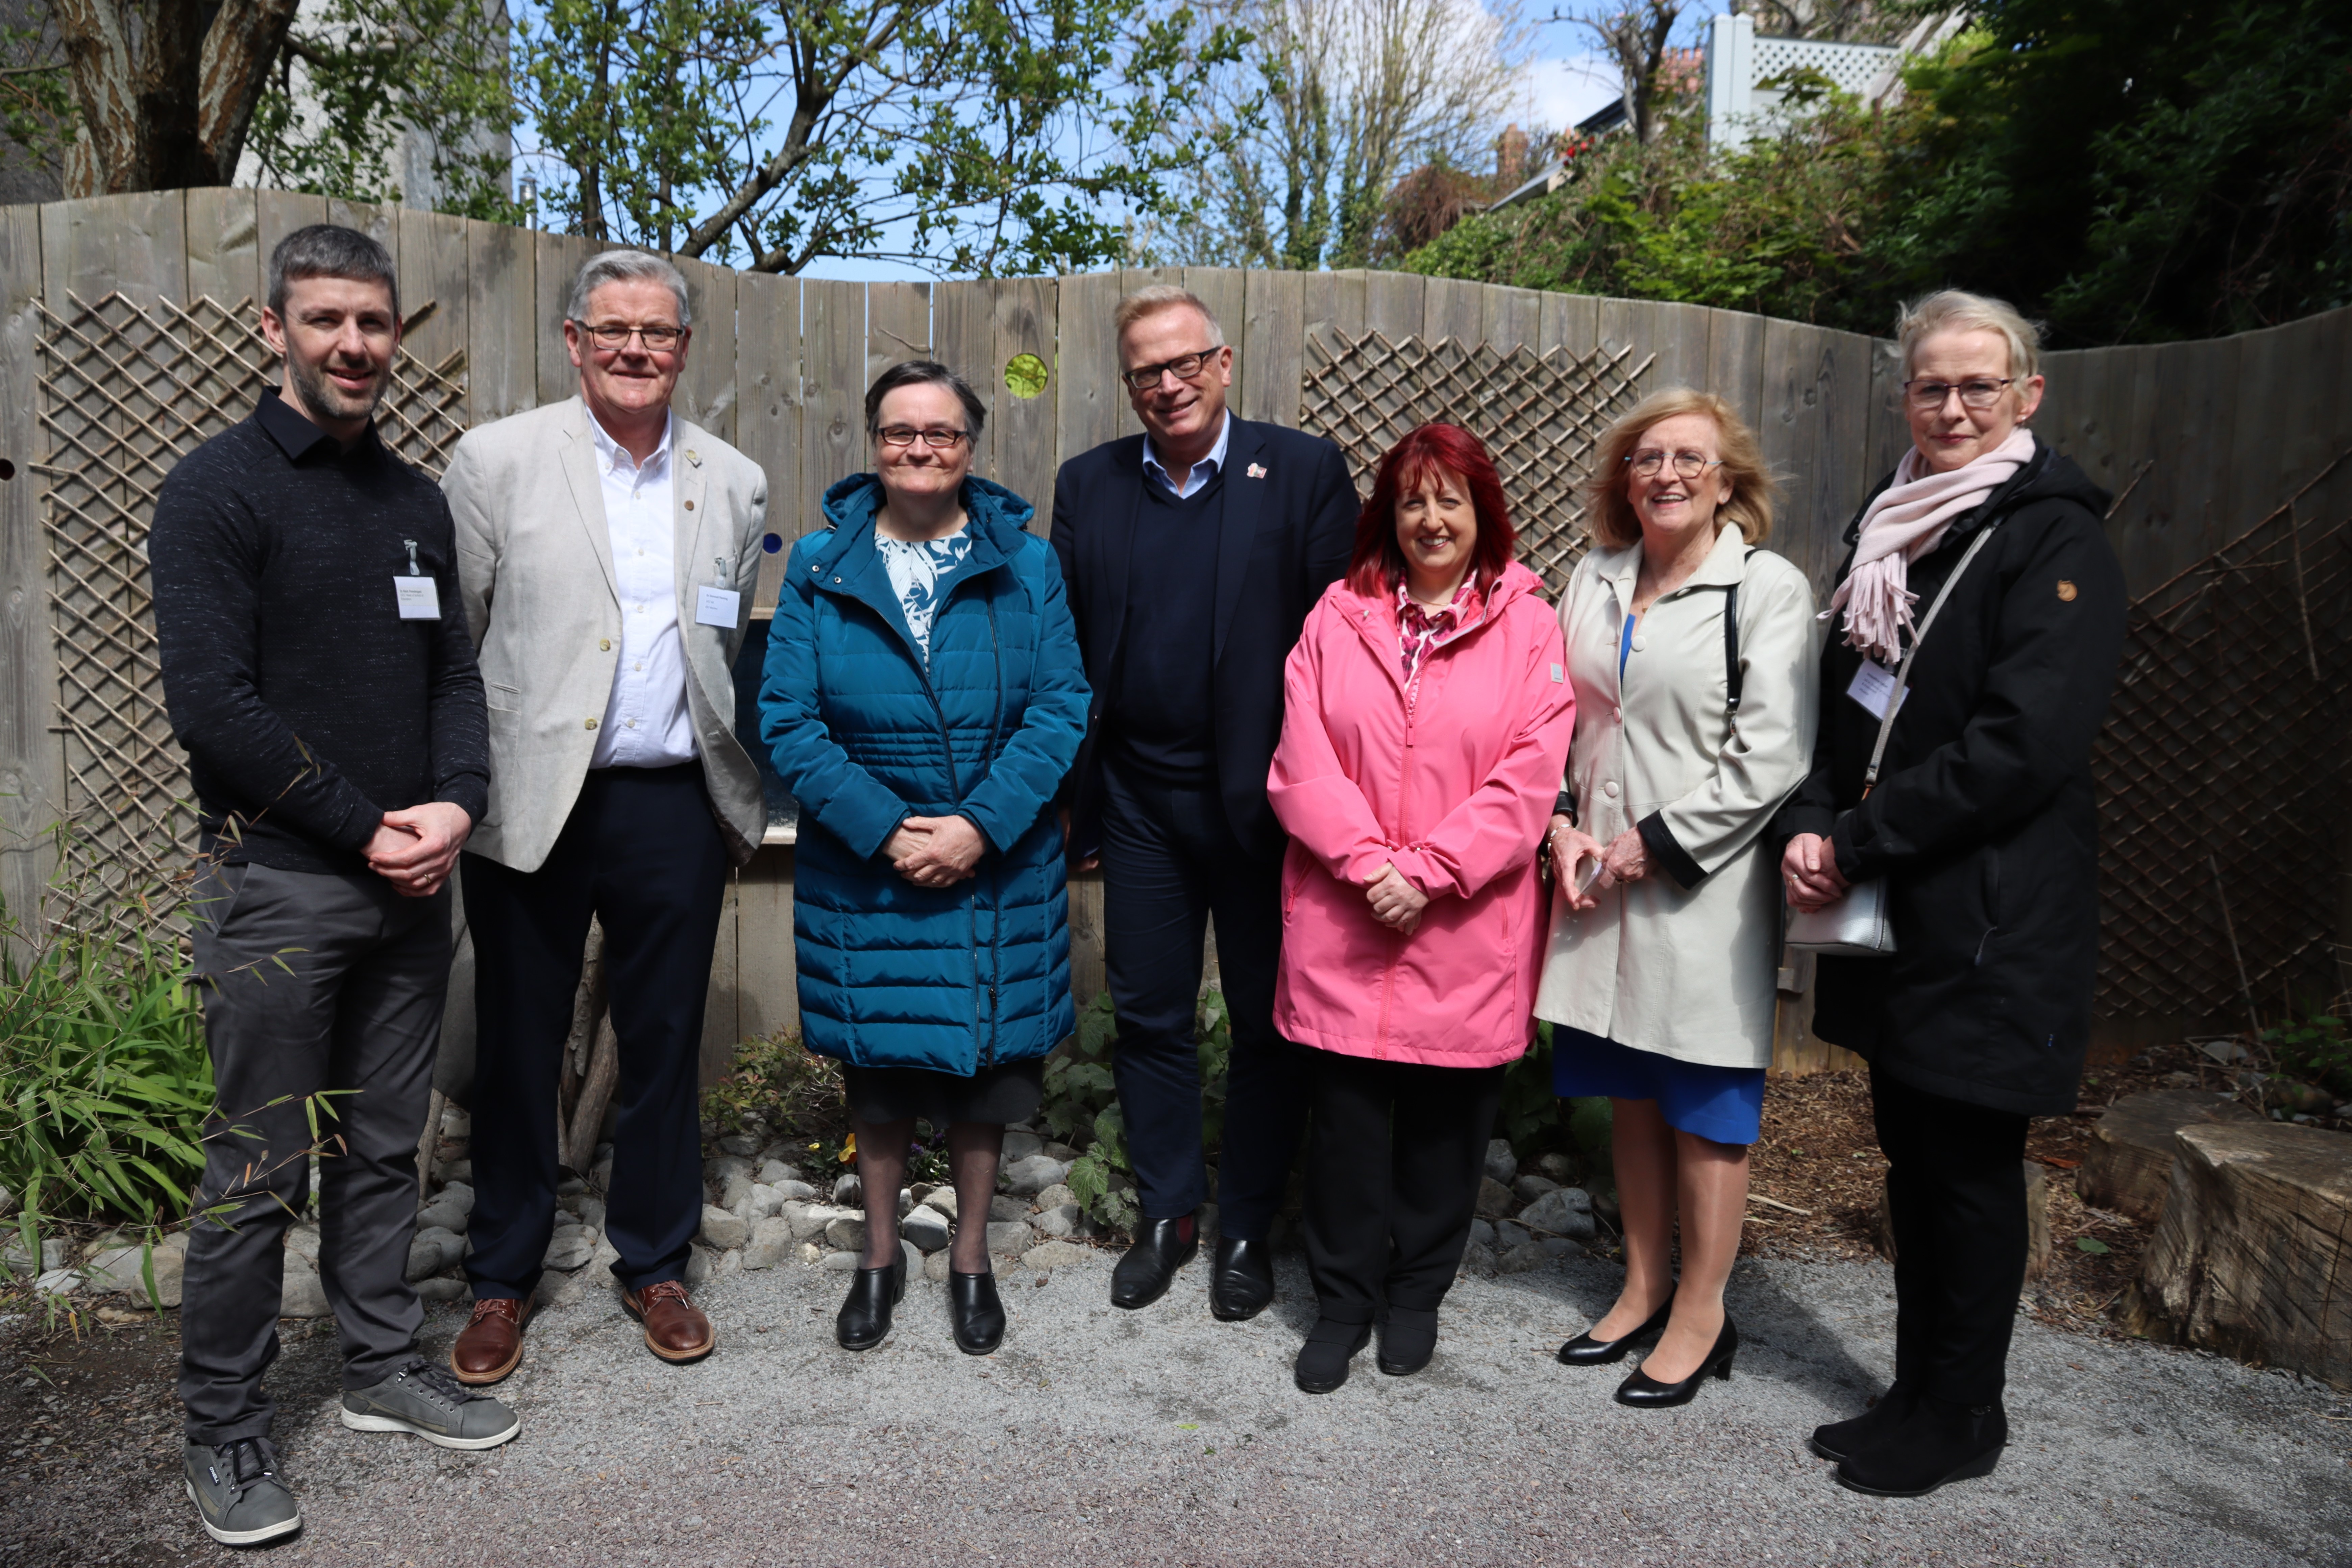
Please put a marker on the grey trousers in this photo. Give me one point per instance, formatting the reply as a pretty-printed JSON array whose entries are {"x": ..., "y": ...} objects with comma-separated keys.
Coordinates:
[{"x": 324, "y": 992}]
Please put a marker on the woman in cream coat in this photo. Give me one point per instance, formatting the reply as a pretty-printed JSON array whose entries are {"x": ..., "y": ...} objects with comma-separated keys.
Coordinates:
[{"x": 1659, "y": 981}]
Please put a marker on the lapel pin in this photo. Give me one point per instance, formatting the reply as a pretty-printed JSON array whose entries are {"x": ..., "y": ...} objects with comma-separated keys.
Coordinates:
[
  {"x": 1257, "y": 470},
  {"x": 693, "y": 457}
]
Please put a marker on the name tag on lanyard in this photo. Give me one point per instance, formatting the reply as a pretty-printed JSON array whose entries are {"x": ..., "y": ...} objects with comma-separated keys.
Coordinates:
[
  {"x": 419, "y": 598},
  {"x": 1872, "y": 686}
]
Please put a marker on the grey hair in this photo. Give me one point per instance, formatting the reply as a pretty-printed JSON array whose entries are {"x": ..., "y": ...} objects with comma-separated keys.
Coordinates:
[
  {"x": 624, "y": 265},
  {"x": 1163, "y": 296},
  {"x": 329, "y": 250},
  {"x": 1956, "y": 311}
]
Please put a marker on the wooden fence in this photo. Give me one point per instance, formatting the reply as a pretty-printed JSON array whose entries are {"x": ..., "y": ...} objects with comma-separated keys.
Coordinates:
[{"x": 2202, "y": 442}]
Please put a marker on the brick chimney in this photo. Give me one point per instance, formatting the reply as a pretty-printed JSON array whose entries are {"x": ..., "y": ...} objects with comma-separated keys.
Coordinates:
[{"x": 1510, "y": 158}]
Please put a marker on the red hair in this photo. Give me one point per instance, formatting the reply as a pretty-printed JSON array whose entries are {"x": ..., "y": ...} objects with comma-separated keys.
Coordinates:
[{"x": 1379, "y": 563}]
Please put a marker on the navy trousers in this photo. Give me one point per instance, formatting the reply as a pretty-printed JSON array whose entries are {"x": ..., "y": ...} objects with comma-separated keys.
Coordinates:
[
  {"x": 1169, "y": 861},
  {"x": 642, "y": 853}
]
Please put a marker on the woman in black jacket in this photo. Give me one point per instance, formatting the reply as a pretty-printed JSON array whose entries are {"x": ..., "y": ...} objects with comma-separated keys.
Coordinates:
[{"x": 1982, "y": 823}]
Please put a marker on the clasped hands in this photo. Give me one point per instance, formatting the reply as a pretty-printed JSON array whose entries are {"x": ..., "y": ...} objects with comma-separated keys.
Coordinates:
[
  {"x": 935, "y": 851},
  {"x": 415, "y": 850},
  {"x": 1809, "y": 870},
  {"x": 1396, "y": 903},
  {"x": 1624, "y": 859}
]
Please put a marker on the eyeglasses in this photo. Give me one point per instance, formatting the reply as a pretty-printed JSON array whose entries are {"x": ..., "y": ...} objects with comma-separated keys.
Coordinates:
[
  {"x": 1184, "y": 367},
  {"x": 1977, "y": 392},
  {"x": 904, "y": 436},
  {"x": 658, "y": 339},
  {"x": 1646, "y": 463}
]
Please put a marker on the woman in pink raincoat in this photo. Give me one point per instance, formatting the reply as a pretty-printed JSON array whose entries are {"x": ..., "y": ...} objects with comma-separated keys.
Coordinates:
[{"x": 1426, "y": 722}]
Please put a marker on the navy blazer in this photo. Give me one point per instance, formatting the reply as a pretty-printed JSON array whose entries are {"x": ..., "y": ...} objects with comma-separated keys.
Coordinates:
[{"x": 1289, "y": 529}]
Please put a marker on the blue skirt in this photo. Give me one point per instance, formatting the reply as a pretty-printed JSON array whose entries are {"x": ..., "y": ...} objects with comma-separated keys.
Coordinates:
[{"x": 1725, "y": 1104}]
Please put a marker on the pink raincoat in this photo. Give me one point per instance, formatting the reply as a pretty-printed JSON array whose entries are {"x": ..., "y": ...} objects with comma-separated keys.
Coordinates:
[{"x": 1450, "y": 781}]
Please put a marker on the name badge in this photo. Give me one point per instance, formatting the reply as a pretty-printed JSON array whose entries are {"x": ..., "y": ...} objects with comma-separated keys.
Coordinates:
[
  {"x": 419, "y": 598},
  {"x": 1871, "y": 685},
  {"x": 716, "y": 606}
]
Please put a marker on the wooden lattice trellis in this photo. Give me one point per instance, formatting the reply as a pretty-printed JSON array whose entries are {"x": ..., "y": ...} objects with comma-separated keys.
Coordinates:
[
  {"x": 128, "y": 390},
  {"x": 1540, "y": 416},
  {"x": 2223, "y": 772}
]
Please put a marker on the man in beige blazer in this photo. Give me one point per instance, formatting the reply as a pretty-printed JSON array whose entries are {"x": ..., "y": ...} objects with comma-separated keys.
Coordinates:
[{"x": 606, "y": 548}]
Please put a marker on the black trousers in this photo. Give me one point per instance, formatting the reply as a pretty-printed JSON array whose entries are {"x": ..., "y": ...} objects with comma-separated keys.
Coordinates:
[
  {"x": 1392, "y": 1170},
  {"x": 312, "y": 982},
  {"x": 1169, "y": 861},
  {"x": 642, "y": 853},
  {"x": 1956, "y": 1196}
]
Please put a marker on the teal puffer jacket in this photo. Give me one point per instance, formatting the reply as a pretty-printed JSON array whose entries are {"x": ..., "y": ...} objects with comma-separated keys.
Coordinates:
[{"x": 959, "y": 978}]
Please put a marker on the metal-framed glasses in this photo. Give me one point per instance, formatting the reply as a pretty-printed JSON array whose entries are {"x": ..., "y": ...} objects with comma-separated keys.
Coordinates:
[
  {"x": 1977, "y": 392},
  {"x": 657, "y": 338},
  {"x": 938, "y": 438},
  {"x": 1184, "y": 367},
  {"x": 1688, "y": 465}
]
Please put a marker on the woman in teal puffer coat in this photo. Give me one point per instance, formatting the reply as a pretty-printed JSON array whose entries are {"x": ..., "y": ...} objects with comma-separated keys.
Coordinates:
[{"x": 922, "y": 697}]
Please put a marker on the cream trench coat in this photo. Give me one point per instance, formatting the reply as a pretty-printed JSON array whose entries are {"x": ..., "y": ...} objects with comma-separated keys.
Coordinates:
[{"x": 1684, "y": 962}]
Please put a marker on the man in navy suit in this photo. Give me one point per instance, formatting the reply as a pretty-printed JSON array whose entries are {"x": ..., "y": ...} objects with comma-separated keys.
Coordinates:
[{"x": 1193, "y": 554}]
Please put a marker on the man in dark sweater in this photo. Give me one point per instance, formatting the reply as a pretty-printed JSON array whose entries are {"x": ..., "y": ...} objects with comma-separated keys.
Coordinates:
[
  {"x": 318, "y": 671},
  {"x": 1193, "y": 554}
]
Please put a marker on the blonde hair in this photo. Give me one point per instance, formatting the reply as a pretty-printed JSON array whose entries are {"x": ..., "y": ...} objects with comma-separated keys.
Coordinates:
[
  {"x": 1956, "y": 311},
  {"x": 1158, "y": 297},
  {"x": 1609, "y": 511}
]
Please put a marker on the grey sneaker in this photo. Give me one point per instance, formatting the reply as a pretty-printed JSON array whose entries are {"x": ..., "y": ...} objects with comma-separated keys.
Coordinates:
[
  {"x": 236, "y": 1488},
  {"x": 429, "y": 1401}
]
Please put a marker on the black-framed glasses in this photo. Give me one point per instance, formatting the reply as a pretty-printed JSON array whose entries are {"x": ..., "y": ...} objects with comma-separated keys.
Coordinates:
[
  {"x": 659, "y": 338},
  {"x": 1977, "y": 392},
  {"x": 1688, "y": 465},
  {"x": 1184, "y": 367},
  {"x": 938, "y": 438}
]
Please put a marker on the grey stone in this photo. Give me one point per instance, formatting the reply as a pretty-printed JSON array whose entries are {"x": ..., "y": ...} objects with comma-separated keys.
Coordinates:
[
  {"x": 1059, "y": 1220},
  {"x": 913, "y": 1260},
  {"x": 456, "y": 1122},
  {"x": 1508, "y": 1235},
  {"x": 699, "y": 1261},
  {"x": 849, "y": 1192},
  {"x": 844, "y": 1262},
  {"x": 113, "y": 1269},
  {"x": 739, "y": 1144},
  {"x": 1061, "y": 1152},
  {"x": 591, "y": 1213},
  {"x": 906, "y": 1201},
  {"x": 935, "y": 1268},
  {"x": 770, "y": 1243},
  {"x": 1522, "y": 1258},
  {"x": 808, "y": 1220},
  {"x": 1009, "y": 1239},
  {"x": 1482, "y": 1234},
  {"x": 1560, "y": 1246},
  {"x": 1054, "y": 1254},
  {"x": 845, "y": 1232},
  {"x": 1205, "y": 1218},
  {"x": 7, "y": 1201},
  {"x": 1564, "y": 1211},
  {"x": 720, "y": 1168},
  {"x": 441, "y": 1215},
  {"x": 569, "y": 1247},
  {"x": 603, "y": 1174},
  {"x": 762, "y": 1202},
  {"x": 455, "y": 1171},
  {"x": 1555, "y": 1166},
  {"x": 1025, "y": 1178},
  {"x": 1477, "y": 1259},
  {"x": 944, "y": 1200},
  {"x": 601, "y": 1261},
  {"x": 171, "y": 1265},
  {"x": 570, "y": 1187},
  {"x": 432, "y": 1250},
  {"x": 791, "y": 1191},
  {"x": 57, "y": 1282},
  {"x": 564, "y": 1217},
  {"x": 443, "y": 1289},
  {"x": 302, "y": 1295},
  {"x": 1530, "y": 1186},
  {"x": 1494, "y": 1199},
  {"x": 925, "y": 1227},
  {"x": 775, "y": 1171},
  {"x": 1501, "y": 1163},
  {"x": 1002, "y": 1208},
  {"x": 303, "y": 1237},
  {"x": 1056, "y": 1195},
  {"x": 735, "y": 1192},
  {"x": 723, "y": 1230},
  {"x": 808, "y": 1252},
  {"x": 1019, "y": 1146}
]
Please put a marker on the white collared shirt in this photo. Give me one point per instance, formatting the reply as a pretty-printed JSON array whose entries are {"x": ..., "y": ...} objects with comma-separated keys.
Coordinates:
[
  {"x": 646, "y": 723},
  {"x": 1203, "y": 471}
]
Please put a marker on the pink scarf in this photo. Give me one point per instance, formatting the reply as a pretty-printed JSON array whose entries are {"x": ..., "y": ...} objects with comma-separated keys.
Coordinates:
[{"x": 1904, "y": 523}]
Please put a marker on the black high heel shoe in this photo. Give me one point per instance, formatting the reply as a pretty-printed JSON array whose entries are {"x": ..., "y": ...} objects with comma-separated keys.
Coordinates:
[
  {"x": 863, "y": 1320},
  {"x": 1586, "y": 1350},
  {"x": 976, "y": 1312},
  {"x": 1646, "y": 1393}
]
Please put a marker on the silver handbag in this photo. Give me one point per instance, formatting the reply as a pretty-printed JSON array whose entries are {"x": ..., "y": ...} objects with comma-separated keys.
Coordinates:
[{"x": 1857, "y": 925}]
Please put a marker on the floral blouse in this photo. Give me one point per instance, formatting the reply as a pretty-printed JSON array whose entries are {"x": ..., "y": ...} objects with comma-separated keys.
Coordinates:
[
  {"x": 916, "y": 568},
  {"x": 1421, "y": 628}
]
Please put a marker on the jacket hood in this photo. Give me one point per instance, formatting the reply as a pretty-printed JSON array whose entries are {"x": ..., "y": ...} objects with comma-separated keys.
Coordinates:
[
  {"x": 1375, "y": 616},
  {"x": 994, "y": 512}
]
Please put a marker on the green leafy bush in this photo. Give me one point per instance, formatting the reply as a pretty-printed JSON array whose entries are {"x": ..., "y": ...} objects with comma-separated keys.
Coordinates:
[
  {"x": 1081, "y": 1105},
  {"x": 2316, "y": 1049},
  {"x": 778, "y": 1086}
]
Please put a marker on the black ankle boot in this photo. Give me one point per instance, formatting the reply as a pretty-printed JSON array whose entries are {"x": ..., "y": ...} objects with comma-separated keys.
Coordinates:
[
  {"x": 1837, "y": 1439},
  {"x": 863, "y": 1320},
  {"x": 976, "y": 1312},
  {"x": 1323, "y": 1359},
  {"x": 1938, "y": 1443},
  {"x": 1407, "y": 1341}
]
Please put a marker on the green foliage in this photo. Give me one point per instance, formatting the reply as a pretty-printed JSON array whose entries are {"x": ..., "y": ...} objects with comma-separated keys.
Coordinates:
[
  {"x": 2316, "y": 1049},
  {"x": 779, "y": 1087},
  {"x": 1081, "y": 1104},
  {"x": 104, "y": 1080},
  {"x": 1529, "y": 1114},
  {"x": 36, "y": 103}
]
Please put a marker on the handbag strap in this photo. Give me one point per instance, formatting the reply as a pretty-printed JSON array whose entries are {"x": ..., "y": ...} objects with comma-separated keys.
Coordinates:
[
  {"x": 1732, "y": 643},
  {"x": 1903, "y": 670}
]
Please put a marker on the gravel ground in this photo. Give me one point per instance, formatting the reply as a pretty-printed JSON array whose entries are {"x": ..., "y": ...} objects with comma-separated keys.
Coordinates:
[{"x": 1098, "y": 1436}]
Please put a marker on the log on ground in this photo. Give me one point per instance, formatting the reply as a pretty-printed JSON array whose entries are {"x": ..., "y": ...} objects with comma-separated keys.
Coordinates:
[{"x": 2127, "y": 1168}]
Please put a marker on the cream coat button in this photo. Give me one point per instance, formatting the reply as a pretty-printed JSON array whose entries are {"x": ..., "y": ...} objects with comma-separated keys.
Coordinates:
[
  {"x": 592, "y": 724},
  {"x": 604, "y": 645},
  {"x": 1610, "y": 789},
  {"x": 1640, "y": 642}
]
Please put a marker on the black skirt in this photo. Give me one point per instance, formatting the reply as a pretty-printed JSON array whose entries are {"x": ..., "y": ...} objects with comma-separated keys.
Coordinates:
[{"x": 1009, "y": 1091}]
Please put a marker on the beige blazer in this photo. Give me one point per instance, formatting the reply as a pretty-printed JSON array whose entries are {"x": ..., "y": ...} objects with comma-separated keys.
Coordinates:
[
  {"x": 535, "y": 561},
  {"x": 1686, "y": 971}
]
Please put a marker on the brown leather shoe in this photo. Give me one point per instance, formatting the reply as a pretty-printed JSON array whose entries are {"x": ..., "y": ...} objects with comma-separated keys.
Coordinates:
[
  {"x": 492, "y": 1345},
  {"x": 676, "y": 1329}
]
